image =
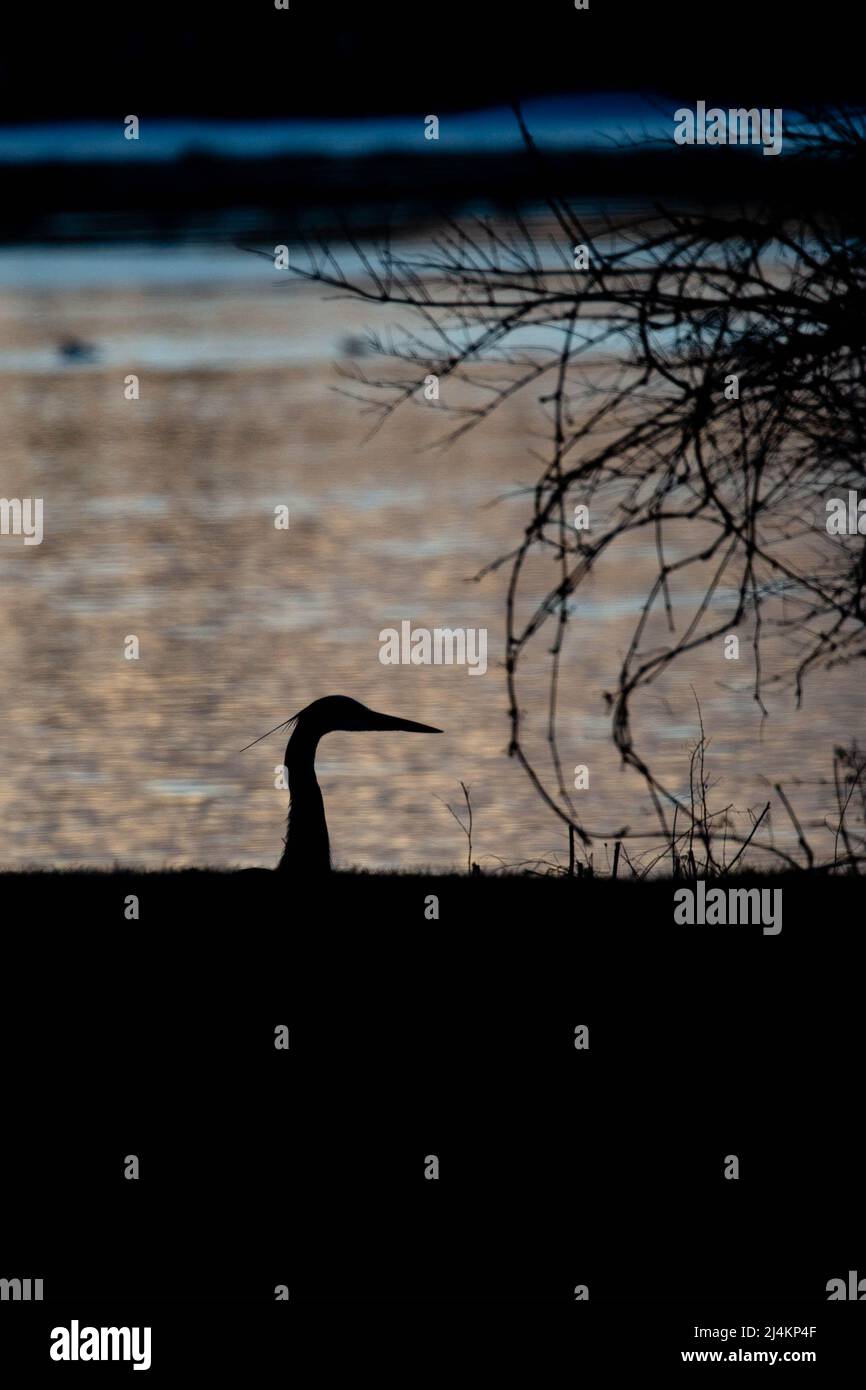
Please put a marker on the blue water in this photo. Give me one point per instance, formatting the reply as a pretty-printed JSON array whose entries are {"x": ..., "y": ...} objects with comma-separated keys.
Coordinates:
[{"x": 573, "y": 122}]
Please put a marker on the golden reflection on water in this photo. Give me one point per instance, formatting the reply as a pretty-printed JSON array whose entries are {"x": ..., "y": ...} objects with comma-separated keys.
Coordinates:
[{"x": 159, "y": 524}]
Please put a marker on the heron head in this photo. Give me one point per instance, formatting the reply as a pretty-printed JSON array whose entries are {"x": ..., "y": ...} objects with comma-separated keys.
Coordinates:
[{"x": 339, "y": 712}]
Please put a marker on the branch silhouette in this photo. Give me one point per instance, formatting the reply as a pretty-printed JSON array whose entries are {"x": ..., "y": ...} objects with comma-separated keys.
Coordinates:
[{"x": 699, "y": 382}]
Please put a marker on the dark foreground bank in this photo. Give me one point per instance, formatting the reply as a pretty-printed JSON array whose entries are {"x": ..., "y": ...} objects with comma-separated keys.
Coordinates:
[{"x": 416, "y": 1089}]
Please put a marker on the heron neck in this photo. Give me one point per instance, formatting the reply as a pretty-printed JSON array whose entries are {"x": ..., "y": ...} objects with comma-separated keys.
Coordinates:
[{"x": 307, "y": 847}]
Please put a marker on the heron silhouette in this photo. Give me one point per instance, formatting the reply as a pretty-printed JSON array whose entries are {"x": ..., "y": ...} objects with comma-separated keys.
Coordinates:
[{"x": 307, "y": 847}]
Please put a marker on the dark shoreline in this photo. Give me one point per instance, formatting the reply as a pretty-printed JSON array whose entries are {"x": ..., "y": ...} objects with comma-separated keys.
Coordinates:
[
  {"x": 230, "y": 198},
  {"x": 561, "y": 1165}
]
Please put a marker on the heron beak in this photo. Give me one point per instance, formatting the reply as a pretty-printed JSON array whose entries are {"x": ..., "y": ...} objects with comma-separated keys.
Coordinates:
[{"x": 406, "y": 726}]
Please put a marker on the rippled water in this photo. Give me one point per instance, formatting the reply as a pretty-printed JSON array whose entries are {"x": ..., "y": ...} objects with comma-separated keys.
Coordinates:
[{"x": 159, "y": 524}]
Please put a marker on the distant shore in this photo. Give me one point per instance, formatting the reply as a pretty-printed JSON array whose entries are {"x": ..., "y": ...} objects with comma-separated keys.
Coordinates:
[{"x": 251, "y": 198}]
